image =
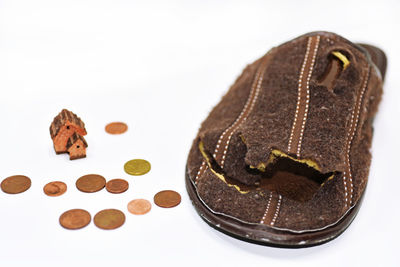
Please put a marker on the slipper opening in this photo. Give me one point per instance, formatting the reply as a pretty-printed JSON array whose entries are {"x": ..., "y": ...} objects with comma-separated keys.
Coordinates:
[
  {"x": 297, "y": 179},
  {"x": 293, "y": 179}
]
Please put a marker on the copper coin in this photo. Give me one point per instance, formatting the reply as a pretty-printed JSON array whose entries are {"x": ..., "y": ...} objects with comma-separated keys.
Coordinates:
[
  {"x": 75, "y": 219},
  {"x": 167, "y": 199},
  {"x": 109, "y": 219},
  {"x": 139, "y": 206},
  {"x": 117, "y": 186},
  {"x": 116, "y": 128},
  {"x": 90, "y": 183},
  {"x": 15, "y": 184},
  {"x": 137, "y": 167},
  {"x": 54, "y": 189}
]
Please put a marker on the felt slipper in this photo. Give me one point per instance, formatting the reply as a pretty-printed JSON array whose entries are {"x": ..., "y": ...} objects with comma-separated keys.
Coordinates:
[{"x": 283, "y": 159}]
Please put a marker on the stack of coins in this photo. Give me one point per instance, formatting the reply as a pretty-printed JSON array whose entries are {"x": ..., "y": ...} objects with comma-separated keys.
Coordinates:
[{"x": 55, "y": 189}]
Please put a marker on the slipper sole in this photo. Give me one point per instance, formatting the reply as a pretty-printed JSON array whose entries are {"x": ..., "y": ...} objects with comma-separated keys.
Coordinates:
[{"x": 268, "y": 236}]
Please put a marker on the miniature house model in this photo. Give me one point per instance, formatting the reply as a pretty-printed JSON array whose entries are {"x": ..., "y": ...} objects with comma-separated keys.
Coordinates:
[
  {"x": 67, "y": 131},
  {"x": 76, "y": 146}
]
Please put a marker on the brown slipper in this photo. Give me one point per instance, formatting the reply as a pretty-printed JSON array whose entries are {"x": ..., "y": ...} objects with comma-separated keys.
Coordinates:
[{"x": 283, "y": 159}]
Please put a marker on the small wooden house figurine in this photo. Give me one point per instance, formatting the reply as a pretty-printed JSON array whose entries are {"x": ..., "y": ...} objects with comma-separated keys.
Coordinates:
[
  {"x": 76, "y": 147},
  {"x": 63, "y": 127}
]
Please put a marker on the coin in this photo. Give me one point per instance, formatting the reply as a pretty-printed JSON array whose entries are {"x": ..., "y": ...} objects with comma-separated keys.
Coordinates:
[
  {"x": 54, "y": 189},
  {"x": 139, "y": 206},
  {"x": 116, "y": 128},
  {"x": 15, "y": 184},
  {"x": 167, "y": 199},
  {"x": 137, "y": 167},
  {"x": 109, "y": 219},
  {"x": 90, "y": 183},
  {"x": 75, "y": 219},
  {"x": 117, "y": 186}
]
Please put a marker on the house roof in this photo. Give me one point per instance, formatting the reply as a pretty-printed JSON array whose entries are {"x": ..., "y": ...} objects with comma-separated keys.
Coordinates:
[
  {"x": 74, "y": 138},
  {"x": 62, "y": 118}
]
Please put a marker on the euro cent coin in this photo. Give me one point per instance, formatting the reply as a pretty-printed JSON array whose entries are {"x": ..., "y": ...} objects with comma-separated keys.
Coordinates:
[
  {"x": 116, "y": 128},
  {"x": 109, "y": 219},
  {"x": 16, "y": 184},
  {"x": 137, "y": 167},
  {"x": 75, "y": 219},
  {"x": 117, "y": 186},
  {"x": 167, "y": 199},
  {"x": 139, "y": 206},
  {"x": 90, "y": 183}
]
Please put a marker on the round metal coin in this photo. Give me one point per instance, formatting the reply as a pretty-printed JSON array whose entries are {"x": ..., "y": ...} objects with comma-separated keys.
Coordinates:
[
  {"x": 75, "y": 219},
  {"x": 116, "y": 128},
  {"x": 54, "y": 189},
  {"x": 139, "y": 206},
  {"x": 91, "y": 183},
  {"x": 109, "y": 219},
  {"x": 137, "y": 167},
  {"x": 117, "y": 186},
  {"x": 15, "y": 184},
  {"x": 167, "y": 199}
]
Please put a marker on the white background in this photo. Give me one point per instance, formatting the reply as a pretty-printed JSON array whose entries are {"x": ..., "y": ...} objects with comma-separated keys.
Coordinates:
[{"x": 160, "y": 66}]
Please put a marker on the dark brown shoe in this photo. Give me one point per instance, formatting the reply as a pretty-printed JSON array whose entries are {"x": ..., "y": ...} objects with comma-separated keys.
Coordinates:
[{"x": 283, "y": 159}]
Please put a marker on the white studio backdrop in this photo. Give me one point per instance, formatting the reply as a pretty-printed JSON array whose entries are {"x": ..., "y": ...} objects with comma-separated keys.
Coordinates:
[{"x": 160, "y": 66}]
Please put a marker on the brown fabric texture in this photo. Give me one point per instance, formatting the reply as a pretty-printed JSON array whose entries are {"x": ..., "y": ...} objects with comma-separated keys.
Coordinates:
[{"x": 311, "y": 143}]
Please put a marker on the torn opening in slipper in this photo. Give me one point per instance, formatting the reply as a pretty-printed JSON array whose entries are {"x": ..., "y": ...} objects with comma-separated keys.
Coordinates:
[{"x": 283, "y": 159}]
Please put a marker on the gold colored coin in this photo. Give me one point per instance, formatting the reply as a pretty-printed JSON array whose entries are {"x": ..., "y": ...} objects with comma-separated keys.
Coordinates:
[
  {"x": 117, "y": 186},
  {"x": 16, "y": 184},
  {"x": 54, "y": 189},
  {"x": 91, "y": 183},
  {"x": 137, "y": 167},
  {"x": 139, "y": 206},
  {"x": 167, "y": 199},
  {"x": 109, "y": 219},
  {"x": 116, "y": 128},
  {"x": 75, "y": 219}
]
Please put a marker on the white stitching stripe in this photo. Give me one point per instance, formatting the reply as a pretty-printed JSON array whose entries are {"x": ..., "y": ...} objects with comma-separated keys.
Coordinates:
[
  {"x": 308, "y": 95},
  {"x": 203, "y": 166},
  {"x": 350, "y": 136},
  {"x": 302, "y": 79},
  {"x": 250, "y": 101},
  {"x": 299, "y": 92},
  {"x": 309, "y": 59},
  {"x": 266, "y": 210},
  {"x": 277, "y": 210}
]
